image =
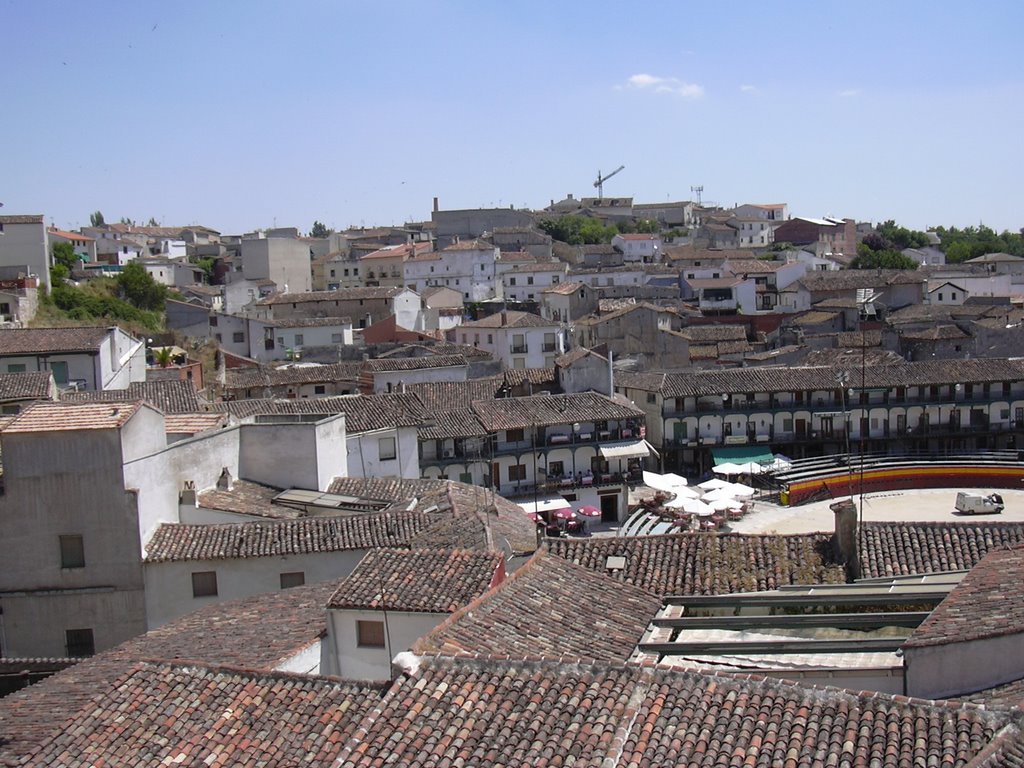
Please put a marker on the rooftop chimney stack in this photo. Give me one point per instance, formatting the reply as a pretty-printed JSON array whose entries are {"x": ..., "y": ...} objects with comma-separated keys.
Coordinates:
[
  {"x": 435, "y": 205},
  {"x": 845, "y": 539}
]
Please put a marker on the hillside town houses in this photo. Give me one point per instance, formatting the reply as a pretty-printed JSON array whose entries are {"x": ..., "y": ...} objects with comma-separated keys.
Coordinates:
[{"x": 411, "y": 489}]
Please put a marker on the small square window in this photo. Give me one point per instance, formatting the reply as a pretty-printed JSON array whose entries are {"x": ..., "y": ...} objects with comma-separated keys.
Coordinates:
[
  {"x": 293, "y": 579},
  {"x": 319, "y": 389},
  {"x": 337, "y": 338},
  {"x": 238, "y": 337},
  {"x": 386, "y": 448},
  {"x": 299, "y": 339},
  {"x": 204, "y": 584},
  {"x": 213, "y": 321},
  {"x": 370, "y": 634},
  {"x": 79, "y": 642},
  {"x": 72, "y": 552}
]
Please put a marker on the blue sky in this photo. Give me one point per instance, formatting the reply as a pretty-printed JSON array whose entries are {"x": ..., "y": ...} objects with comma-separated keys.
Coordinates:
[{"x": 241, "y": 115}]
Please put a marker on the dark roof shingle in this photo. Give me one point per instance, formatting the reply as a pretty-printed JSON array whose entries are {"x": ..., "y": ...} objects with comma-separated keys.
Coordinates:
[{"x": 420, "y": 581}]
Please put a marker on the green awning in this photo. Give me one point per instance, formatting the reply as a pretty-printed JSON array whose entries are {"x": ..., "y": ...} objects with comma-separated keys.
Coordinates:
[{"x": 741, "y": 454}]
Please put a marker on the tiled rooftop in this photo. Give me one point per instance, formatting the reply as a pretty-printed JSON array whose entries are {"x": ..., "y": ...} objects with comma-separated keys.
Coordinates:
[
  {"x": 255, "y": 633},
  {"x": 25, "y": 386},
  {"x": 537, "y": 612},
  {"x": 899, "y": 549},
  {"x": 247, "y": 498},
  {"x": 385, "y": 364},
  {"x": 420, "y": 581},
  {"x": 537, "y": 713},
  {"x": 161, "y": 714},
  {"x": 455, "y": 423},
  {"x": 254, "y": 378},
  {"x": 986, "y": 603},
  {"x": 543, "y": 377},
  {"x": 789, "y": 379},
  {"x": 273, "y": 538},
  {"x": 342, "y": 294},
  {"x": 69, "y": 417},
  {"x": 449, "y": 395},
  {"x": 510, "y": 319},
  {"x": 363, "y": 413},
  {"x": 850, "y": 279},
  {"x": 27, "y": 341},
  {"x": 708, "y": 564},
  {"x": 193, "y": 423},
  {"x": 169, "y": 395},
  {"x": 546, "y": 410}
]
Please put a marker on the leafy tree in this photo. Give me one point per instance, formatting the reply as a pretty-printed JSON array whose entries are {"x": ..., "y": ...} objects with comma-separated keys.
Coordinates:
[
  {"x": 319, "y": 230},
  {"x": 901, "y": 237},
  {"x": 139, "y": 288},
  {"x": 639, "y": 226},
  {"x": 578, "y": 230},
  {"x": 206, "y": 264},
  {"x": 867, "y": 258},
  {"x": 971, "y": 242},
  {"x": 129, "y": 222},
  {"x": 64, "y": 255},
  {"x": 96, "y": 219},
  {"x": 153, "y": 222},
  {"x": 781, "y": 246}
]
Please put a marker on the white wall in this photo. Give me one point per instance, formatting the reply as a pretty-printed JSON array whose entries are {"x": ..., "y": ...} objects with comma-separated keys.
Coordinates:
[
  {"x": 169, "y": 585},
  {"x": 345, "y": 658},
  {"x": 947, "y": 671},
  {"x": 364, "y": 457}
]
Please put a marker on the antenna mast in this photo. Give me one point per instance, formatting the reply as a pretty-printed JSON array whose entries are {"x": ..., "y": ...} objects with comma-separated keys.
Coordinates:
[{"x": 698, "y": 190}]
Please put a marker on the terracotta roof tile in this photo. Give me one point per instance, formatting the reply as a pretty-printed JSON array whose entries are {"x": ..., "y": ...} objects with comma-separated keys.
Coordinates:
[
  {"x": 899, "y": 549},
  {"x": 192, "y": 715},
  {"x": 363, "y": 413},
  {"x": 254, "y": 378},
  {"x": 538, "y": 713},
  {"x": 25, "y": 341},
  {"x": 535, "y": 613},
  {"x": 547, "y": 410},
  {"x": 419, "y": 581},
  {"x": 247, "y": 498},
  {"x": 708, "y": 564},
  {"x": 450, "y": 395},
  {"x": 511, "y": 319},
  {"x": 26, "y": 386},
  {"x": 193, "y": 423},
  {"x": 385, "y": 364},
  {"x": 342, "y": 294},
  {"x": 57, "y": 417},
  {"x": 986, "y": 603},
  {"x": 455, "y": 423},
  {"x": 169, "y": 395},
  {"x": 272, "y": 538}
]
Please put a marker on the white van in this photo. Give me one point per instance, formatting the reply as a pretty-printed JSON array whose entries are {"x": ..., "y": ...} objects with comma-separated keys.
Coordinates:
[{"x": 976, "y": 504}]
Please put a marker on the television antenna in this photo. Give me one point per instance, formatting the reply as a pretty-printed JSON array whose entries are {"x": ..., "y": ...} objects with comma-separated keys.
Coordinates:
[{"x": 698, "y": 190}]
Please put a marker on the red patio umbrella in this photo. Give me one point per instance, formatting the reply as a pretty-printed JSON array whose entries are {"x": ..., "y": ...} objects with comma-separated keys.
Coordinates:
[
  {"x": 589, "y": 511},
  {"x": 565, "y": 513}
]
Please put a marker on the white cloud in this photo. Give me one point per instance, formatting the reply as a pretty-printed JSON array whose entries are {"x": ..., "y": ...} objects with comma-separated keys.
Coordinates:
[
  {"x": 850, "y": 92},
  {"x": 748, "y": 88},
  {"x": 670, "y": 85}
]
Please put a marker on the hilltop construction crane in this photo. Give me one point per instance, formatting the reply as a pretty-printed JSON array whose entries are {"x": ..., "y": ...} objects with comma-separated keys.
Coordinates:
[{"x": 602, "y": 179}]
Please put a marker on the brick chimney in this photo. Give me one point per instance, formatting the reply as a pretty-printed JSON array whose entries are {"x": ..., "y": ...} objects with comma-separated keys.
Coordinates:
[{"x": 845, "y": 539}]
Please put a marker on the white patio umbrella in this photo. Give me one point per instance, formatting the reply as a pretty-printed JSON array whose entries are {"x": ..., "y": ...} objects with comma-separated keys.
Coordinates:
[
  {"x": 725, "y": 504},
  {"x": 675, "y": 479},
  {"x": 697, "y": 507},
  {"x": 657, "y": 482},
  {"x": 728, "y": 468},
  {"x": 752, "y": 468},
  {"x": 715, "y": 482},
  {"x": 741, "y": 491},
  {"x": 682, "y": 495},
  {"x": 718, "y": 493}
]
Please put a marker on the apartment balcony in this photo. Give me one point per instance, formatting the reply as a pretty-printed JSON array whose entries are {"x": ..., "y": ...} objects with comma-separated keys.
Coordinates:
[
  {"x": 820, "y": 405},
  {"x": 548, "y": 347},
  {"x": 520, "y": 349}
]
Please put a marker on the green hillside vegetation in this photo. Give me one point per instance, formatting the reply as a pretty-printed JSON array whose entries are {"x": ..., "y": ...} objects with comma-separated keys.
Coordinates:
[{"x": 132, "y": 299}]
